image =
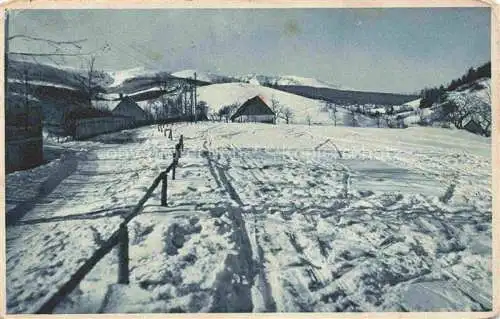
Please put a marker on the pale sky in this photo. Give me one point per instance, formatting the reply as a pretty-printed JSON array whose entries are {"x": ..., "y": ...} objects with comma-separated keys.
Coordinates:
[{"x": 386, "y": 50}]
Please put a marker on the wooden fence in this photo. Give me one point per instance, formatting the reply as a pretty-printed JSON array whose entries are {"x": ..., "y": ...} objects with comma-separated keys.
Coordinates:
[
  {"x": 119, "y": 238},
  {"x": 85, "y": 128}
]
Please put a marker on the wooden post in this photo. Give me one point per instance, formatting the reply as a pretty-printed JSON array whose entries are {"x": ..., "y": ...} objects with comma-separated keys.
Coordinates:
[
  {"x": 164, "y": 190},
  {"x": 123, "y": 275},
  {"x": 170, "y": 134},
  {"x": 178, "y": 150},
  {"x": 181, "y": 141},
  {"x": 173, "y": 166}
]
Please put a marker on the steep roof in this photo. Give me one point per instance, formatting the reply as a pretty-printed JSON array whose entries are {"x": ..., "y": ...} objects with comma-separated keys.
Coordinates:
[
  {"x": 129, "y": 107},
  {"x": 253, "y": 106}
]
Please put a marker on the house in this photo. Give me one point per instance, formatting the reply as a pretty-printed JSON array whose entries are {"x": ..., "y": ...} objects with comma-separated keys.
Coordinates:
[
  {"x": 129, "y": 108},
  {"x": 474, "y": 127},
  {"x": 254, "y": 110},
  {"x": 23, "y": 134}
]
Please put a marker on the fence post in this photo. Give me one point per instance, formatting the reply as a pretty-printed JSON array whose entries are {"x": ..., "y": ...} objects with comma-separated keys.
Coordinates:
[
  {"x": 178, "y": 150},
  {"x": 174, "y": 165},
  {"x": 123, "y": 275},
  {"x": 164, "y": 190},
  {"x": 170, "y": 133}
]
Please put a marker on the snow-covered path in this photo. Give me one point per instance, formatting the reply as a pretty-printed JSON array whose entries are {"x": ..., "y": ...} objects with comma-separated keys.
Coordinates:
[{"x": 261, "y": 218}]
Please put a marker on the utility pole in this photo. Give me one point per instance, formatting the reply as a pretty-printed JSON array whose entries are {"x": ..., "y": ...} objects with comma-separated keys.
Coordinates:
[
  {"x": 6, "y": 54},
  {"x": 191, "y": 92},
  {"x": 195, "y": 98}
]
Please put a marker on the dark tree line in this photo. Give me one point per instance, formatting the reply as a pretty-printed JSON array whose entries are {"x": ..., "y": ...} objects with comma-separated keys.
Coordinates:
[{"x": 433, "y": 95}]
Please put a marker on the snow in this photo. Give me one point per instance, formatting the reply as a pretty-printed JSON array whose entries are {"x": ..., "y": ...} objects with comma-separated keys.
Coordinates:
[
  {"x": 415, "y": 104},
  {"x": 122, "y": 75},
  {"x": 220, "y": 95},
  {"x": 281, "y": 218},
  {"x": 42, "y": 83},
  {"x": 288, "y": 80}
]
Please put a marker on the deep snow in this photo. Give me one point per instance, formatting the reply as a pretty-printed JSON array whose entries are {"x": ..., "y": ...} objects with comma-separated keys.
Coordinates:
[{"x": 262, "y": 217}]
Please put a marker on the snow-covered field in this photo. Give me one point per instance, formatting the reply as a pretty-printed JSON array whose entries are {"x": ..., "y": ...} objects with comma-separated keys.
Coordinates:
[
  {"x": 219, "y": 95},
  {"x": 281, "y": 218}
]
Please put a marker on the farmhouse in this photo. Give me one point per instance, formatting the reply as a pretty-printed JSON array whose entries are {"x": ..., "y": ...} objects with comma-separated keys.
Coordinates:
[
  {"x": 129, "y": 108},
  {"x": 473, "y": 127},
  {"x": 254, "y": 110}
]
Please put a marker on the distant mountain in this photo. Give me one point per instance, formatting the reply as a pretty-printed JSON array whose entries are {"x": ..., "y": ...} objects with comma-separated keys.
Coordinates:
[
  {"x": 280, "y": 80},
  {"x": 206, "y": 77},
  {"x": 348, "y": 97}
]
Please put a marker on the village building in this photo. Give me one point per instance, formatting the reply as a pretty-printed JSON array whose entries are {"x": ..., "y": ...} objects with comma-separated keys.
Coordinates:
[
  {"x": 473, "y": 127},
  {"x": 129, "y": 108},
  {"x": 254, "y": 110}
]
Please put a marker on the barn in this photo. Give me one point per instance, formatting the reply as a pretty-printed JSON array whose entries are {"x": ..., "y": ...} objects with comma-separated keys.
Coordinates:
[
  {"x": 129, "y": 108},
  {"x": 254, "y": 110}
]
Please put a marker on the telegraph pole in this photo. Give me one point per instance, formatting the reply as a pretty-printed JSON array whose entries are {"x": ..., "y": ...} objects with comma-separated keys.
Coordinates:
[
  {"x": 6, "y": 54},
  {"x": 195, "y": 102}
]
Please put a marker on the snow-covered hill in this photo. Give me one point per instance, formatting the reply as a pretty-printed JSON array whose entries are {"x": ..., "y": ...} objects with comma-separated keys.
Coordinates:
[
  {"x": 473, "y": 98},
  {"x": 256, "y": 79},
  {"x": 219, "y": 95},
  {"x": 202, "y": 76},
  {"x": 287, "y": 80},
  {"x": 121, "y": 76}
]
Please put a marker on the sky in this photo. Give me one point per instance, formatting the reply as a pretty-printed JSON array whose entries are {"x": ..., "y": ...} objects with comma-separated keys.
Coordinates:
[{"x": 384, "y": 50}]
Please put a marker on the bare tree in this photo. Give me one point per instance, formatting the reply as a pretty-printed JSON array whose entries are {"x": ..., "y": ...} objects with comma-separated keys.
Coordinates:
[
  {"x": 421, "y": 116},
  {"x": 226, "y": 111},
  {"x": 88, "y": 81},
  {"x": 287, "y": 115},
  {"x": 332, "y": 109},
  {"x": 350, "y": 118},
  {"x": 308, "y": 119}
]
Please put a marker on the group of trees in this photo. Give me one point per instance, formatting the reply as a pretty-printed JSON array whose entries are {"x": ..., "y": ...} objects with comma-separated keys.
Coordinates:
[
  {"x": 429, "y": 96},
  {"x": 281, "y": 111}
]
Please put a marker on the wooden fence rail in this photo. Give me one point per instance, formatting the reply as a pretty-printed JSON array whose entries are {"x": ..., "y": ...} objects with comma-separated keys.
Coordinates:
[{"x": 119, "y": 238}]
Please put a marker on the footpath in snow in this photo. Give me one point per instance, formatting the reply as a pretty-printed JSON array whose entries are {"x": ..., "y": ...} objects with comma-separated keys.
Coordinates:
[{"x": 282, "y": 218}]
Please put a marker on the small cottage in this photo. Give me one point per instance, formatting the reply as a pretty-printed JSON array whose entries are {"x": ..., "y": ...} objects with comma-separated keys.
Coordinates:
[
  {"x": 254, "y": 110},
  {"x": 473, "y": 127},
  {"x": 129, "y": 108}
]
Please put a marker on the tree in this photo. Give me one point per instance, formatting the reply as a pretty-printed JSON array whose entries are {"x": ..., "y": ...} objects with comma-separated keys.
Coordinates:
[
  {"x": 350, "y": 118},
  {"x": 226, "y": 111},
  {"x": 377, "y": 116},
  {"x": 201, "y": 109},
  {"x": 331, "y": 108},
  {"x": 421, "y": 116},
  {"x": 276, "y": 107},
  {"x": 333, "y": 114},
  {"x": 308, "y": 119},
  {"x": 90, "y": 81},
  {"x": 288, "y": 115},
  {"x": 389, "y": 110}
]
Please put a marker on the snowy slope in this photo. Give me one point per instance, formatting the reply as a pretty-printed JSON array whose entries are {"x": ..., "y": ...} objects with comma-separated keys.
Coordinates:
[
  {"x": 121, "y": 76},
  {"x": 280, "y": 218},
  {"x": 287, "y": 80},
  {"x": 474, "y": 96},
  {"x": 220, "y": 95}
]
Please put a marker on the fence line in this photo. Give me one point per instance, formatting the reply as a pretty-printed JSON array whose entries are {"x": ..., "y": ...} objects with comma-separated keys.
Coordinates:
[{"x": 119, "y": 238}]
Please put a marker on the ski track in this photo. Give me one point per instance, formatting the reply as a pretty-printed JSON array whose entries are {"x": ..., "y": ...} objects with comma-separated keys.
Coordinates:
[{"x": 320, "y": 225}]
